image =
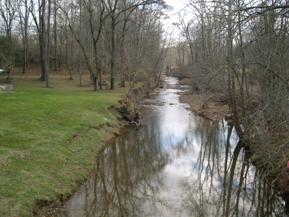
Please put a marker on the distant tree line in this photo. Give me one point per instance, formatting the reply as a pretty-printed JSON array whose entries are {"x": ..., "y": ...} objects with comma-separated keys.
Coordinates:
[{"x": 120, "y": 38}]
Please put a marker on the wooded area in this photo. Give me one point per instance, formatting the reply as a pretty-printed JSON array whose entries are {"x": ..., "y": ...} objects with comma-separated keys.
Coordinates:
[{"x": 119, "y": 38}]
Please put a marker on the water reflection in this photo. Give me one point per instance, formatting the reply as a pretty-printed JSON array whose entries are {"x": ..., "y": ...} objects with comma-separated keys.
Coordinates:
[
  {"x": 175, "y": 165},
  {"x": 120, "y": 181}
]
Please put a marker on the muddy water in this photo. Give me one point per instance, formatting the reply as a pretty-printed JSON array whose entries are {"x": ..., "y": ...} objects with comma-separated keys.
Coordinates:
[{"x": 174, "y": 165}]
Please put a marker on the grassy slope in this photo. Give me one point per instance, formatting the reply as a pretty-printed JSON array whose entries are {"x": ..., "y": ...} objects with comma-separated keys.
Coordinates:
[{"x": 47, "y": 142}]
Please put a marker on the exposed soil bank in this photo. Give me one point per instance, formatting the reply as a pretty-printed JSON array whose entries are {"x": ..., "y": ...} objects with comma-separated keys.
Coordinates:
[{"x": 211, "y": 106}]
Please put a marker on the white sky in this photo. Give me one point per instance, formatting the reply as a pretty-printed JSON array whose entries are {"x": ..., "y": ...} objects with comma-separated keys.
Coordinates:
[{"x": 178, "y": 6}]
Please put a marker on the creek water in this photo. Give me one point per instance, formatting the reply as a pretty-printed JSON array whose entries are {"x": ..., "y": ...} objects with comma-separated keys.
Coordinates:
[{"x": 173, "y": 165}]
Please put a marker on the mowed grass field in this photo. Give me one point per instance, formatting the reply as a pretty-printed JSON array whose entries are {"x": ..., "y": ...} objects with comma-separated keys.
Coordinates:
[{"x": 48, "y": 140}]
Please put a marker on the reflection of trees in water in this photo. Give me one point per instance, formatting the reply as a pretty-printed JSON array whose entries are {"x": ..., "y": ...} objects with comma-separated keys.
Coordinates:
[
  {"x": 204, "y": 198},
  {"x": 127, "y": 180},
  {"x": 226, "y": 184},
  {"x": 122, "y": 180},
  {"x": 209, "y": 156},
  {"x": 263, "y": 200}
]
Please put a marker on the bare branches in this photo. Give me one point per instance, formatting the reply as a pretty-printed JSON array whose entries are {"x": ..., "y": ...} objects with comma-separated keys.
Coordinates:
[{"x": 95, "y": 32}]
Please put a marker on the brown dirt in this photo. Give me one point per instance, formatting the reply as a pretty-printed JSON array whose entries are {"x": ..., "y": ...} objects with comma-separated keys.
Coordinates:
[
  {"x": 208, "y": 105},
  {"x": 186, "y": 81}
]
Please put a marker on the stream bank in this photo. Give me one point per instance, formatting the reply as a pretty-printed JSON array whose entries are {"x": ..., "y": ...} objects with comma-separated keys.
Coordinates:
[
  {"x": 173, "y": 164},
  {"x": 45, "y": 136},
  {"x": 127, "y": 114},
  {"x": 271, "y": 159},
  {"x": 210, "y": 105}
]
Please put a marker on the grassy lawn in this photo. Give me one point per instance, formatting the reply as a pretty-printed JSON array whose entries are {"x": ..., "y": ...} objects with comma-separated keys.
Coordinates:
[{"x": 48, "y": 141}]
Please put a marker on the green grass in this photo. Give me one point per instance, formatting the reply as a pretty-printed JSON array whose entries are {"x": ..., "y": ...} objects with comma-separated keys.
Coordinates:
[{"x": 48, "y": 143}]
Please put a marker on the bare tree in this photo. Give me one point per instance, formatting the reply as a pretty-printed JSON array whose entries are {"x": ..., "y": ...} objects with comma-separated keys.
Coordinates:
[
  {"x": 24, "y": 12},
  {"x": 115, "y": 9},
  {"x": 55, "y": 40},
  {"x": 96, "y": 16},
  {"x": 41, "y": 18},
  {"x": 8, "y": 12}
]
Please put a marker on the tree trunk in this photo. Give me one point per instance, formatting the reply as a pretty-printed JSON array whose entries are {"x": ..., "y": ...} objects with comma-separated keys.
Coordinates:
[
  {"x": 231, "y": 70},
  {"x": 42, "y": 39},
  {"x": 94, "y": 79},
  {"x": 100, "y": 79},
  {"x": 122, "y": 52},
  {"x": 55, "y": 37},
  {"x": 25, "y": 38},
  {"x": 80, "y": 75},
  {"x": 47, "y": 45},
  {"x": 113, "y": 51}
]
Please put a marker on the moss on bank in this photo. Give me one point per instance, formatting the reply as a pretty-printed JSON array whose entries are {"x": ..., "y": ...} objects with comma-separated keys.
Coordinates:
[{"x": 48, "y": 140}]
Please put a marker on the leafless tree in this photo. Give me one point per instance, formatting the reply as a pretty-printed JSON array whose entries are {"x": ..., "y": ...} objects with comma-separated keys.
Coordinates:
[{"x": 7, "y": 14}]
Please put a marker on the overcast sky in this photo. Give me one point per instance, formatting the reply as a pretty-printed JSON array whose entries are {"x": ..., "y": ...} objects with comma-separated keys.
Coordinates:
[{"x": 178, "y": 6}]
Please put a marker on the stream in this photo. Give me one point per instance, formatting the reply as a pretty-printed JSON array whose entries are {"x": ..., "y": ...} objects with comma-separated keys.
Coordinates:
[{"x": 174, "y": 165}]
